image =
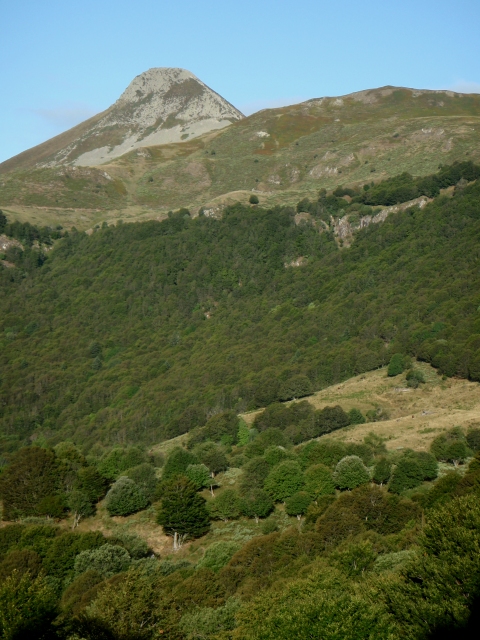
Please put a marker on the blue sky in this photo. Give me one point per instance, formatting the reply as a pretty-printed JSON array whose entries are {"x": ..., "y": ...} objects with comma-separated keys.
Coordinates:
[{"x": 61, "y": 62}]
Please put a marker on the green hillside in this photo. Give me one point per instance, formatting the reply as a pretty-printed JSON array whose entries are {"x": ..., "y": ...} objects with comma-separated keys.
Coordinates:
[
  {"x": 139, "y": 332},
  {"x": 284, "y": 154}
]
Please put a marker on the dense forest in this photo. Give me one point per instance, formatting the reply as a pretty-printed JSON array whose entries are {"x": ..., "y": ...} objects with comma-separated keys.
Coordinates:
[
  {"x": 140, "y": 332},
  {"x": 113, "y": 341}
]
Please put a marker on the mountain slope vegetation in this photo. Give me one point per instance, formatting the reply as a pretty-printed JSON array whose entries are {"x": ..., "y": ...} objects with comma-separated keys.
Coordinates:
[{"x": 140, "y": 332}]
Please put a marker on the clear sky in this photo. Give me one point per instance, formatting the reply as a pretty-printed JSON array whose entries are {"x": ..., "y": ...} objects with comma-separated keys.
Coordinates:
[{"x": 63, "y": 61}]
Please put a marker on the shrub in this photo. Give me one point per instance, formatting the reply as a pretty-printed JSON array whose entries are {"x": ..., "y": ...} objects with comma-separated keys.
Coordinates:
[
  {"x": 107, "y": 560},
  {"x": 182, "y": 511},
  {"x": 406, "y": 475},
  {"x": 20, "y": 561},
  {"x": 330, "y": 419},
  {"x": 298, "y": 504},
  {"x": 414, "y": 378},
  {"x": 253, "y": 199},
  {"x": 450, "y": 446},
  {"x": 256, "y": 504},
  {"x": 396, "y": 365},
  {"x": 327, "y": 452},
  {"x": 145, "y": 478},
  {"x": 275, "y": 454},
  {"x": 212, "y": 456},
  {"x": 473, "y": 438},
  {"x": 218, "y": 555},
  {"x": 255, "y": 473},
  {"x": 355, "y": 416},
  {"x": 199, "y": 475},
  {"x": 207, "y": 622},
  {"x": 177, "y": 462},
  {"x": 136, "y": 546},
  {"x": 350, "y": 472},
  {"x": 382, "y": 471},
  {"x": 284, "y": 480},
  {"x": 118, "y": 460},
  {"x": 125, "y": 497},
  {"x": 319, "y": 481},
  {"x": 90, "y": 482},
  {"x": 225, "y": 506},
  {"x": 222, "y": 424}
]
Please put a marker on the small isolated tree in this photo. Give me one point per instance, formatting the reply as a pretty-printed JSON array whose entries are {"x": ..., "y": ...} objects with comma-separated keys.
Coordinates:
[
  {"x": 253, "y": 199},
  {"x": 414, "y": 378},
  {"x": 107, "y": 560},
  {"x": 396, "y": 365},
  {"x": 350, "y": 472},
  {"x": 457, "y": 452},
  {"x": 182, "y": 512},
  {"x": 125, "y": 497},
  {"x": 199, "y": 475},
  {"x": 80, "y": 505},
  {"x": 226, "y": 506},
  {"x": 256, "y": 504},
  {"x": 319, "y": 481},
  {"x": 297, "y": 504},
  {"x": 284, "y": 480},
  {"x": 356, "y": 416},
  {"x": 382, "y": 471},
  {"x": 218, "y": 555},
  {"x": 177, "y": 463}
]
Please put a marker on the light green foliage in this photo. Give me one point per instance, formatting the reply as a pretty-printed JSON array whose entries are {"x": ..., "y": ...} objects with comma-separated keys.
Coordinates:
[
  {"x": 205, "y": 623},
  {"x": 319, "y": 481},
  {"x": 27, "y": 607},
  {"x": 116, "y": 461},
  {"x": 243, "y": 434},
  {"x": 275, "y": 454},
  {"x": 355, "y": 558},
  {"x": 393, "y": 561},
  {"x": 284, "y": 480},
  {"x": 106, "y": 560},
  {"x": 298, "y": 504},
  {"x": 225, "y": 506},
  {"x": 327, "y": 452},
  {"x": 125, "y": 497},
  {"x": 218, "y": 555},
  {"x": 396, "y": 365},
  {"x": 376, "y": 443},
  {"x": 199, "y": 475},
  {"x": 350, "y": 472},
  {"x": 414, "y": 378},
  {"x": 177, "y": 463}
]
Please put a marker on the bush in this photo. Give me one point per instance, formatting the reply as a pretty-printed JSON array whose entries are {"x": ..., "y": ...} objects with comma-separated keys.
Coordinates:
[
  {"x": 473, "y": 438},
  {"x": 207, "y": 622},
  {"x": 177, "y": 462},
  {"x": 255, "y": 473},
  {"x": 275, "y": 454},
  {"x": 20, "y": 561},
  {"x": 145, "y": 478},
  {"x": 396, "y": 365},
  {"x": 108, "y": 560},
  {"x": 218, "y": 555},
  {"x": 350, "y": 472},
  {"x": 450, "y": 446},
  {"x": 284, "y": 480},
  {"x": 319, "y": 481},
  {"x": 225, "y": 506},
  {"x": 298, "y": 504},
  {"x": 256, "y": 504},
  {"x": 136, "y": 546},
  {"x": 199, "y": 475},
  {"x": 90, "y": 482},
  {"x": 330, "y": 419},
  {"x": 212, "y": 456},
  {"x": 414, "y": 378},
  {"x": 327, "y": 452},
  {"x": 406, "y": 475},
  {"x": 253, "y": 199},
  {"x": 125, "y": 497},
  {"x": 355, "y": 416},
  {"x": 118, "y": 460},
  {"x": 382, "y": 471}
]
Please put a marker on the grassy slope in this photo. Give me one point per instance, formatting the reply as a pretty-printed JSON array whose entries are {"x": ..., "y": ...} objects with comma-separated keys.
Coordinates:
[{"x": 312, "y": 145}]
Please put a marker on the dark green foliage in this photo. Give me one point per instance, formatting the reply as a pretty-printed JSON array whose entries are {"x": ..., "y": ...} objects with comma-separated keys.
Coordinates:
[
  {"x": 60, "y": 557},
  {"x": 182, "y": 510},
  {"x": 284, "y": 480},
  {"x": 330, "y": 419},
  {"x": 256, "y": 504},
  {"x": 296, "y": 387},
  {"x": 21, "y": 561},
  {"x": 298, "y": 504},
  {"x": 327, "y": 452},
  {"x": 80, "y": 592},
  {"x": 253, "y": 199},
  {"x": 350, "y": 472},
  {"x": 31, "y": 477},
  {"x": 441, "y": 492},
  {"x": 213, "y": 457},
  {"x": 406, "y": 475},
  {"x": 222, "y": 425},
  {"x": 125, "y": 497},
  {"x": 80, "y": 505},
  {"x": 414, "y": 377},
  {"x": 3, "y": 221},
  {"x": 473, "y": 438},
  {"x": 145, "y": 478},
  {"x": 382, "y": 471},
  {"x": 279, "y": 416},
  {"x": 450, "y": 446},
  {"x": 355, "y": 416},
  {"x": 177, "y": 463},
  {"x": 275, "y": 454},
  {"x": 396, "y": 366},
  {"x": 90, "y": 482}
]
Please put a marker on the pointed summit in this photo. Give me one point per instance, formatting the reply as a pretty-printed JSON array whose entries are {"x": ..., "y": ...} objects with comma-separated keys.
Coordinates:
[{"x": 160, "y": 106}]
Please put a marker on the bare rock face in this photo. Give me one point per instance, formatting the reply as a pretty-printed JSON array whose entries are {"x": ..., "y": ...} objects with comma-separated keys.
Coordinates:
[{"x": 160, "y": 106}]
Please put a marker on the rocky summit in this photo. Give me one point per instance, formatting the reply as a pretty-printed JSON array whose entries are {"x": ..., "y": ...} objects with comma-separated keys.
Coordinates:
[{"x": 160, "y": 106}]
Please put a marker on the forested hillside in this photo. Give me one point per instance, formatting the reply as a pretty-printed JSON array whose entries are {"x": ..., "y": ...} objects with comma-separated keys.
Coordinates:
[{"x": 140, "y": 332}]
